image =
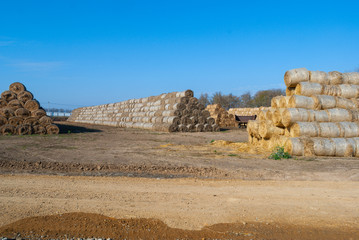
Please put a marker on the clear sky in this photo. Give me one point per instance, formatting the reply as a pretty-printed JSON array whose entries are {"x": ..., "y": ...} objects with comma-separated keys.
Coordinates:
[{"x": 82, "y": 53}]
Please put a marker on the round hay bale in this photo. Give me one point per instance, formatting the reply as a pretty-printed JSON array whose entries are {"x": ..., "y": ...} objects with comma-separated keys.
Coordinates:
[
  {"x": 289, "y": 91},
  {"x": 182, "y": 128},
  {"x": 275, "y": 101},
  {"x": 318, "y": 77},
  {"x": 23, "y": 129},
  {"x": 24, "y": 96},
  {"x": 3, "y": 121},
  {"x": 253, "y": 128},
  {"x": 45, "y": 120},
  {"x": 345, "y": 103},
  {"x": 17, "y": 87},
  {"x": 3, "y": 103},
  {"x": 173, "y": 127},
  {"x": 8, "y": 96},
  {"x": 351, "y": 78},
  {"x": 191, "y": 128},
  {"x": 332, "y": 90},
  {"x": 304, "y": 129},
  {"x": 355, "y": 142},
  {"x": 186, "y": 112},
  {"x": 349, "y": 129},
  {"x": 199, "y": 127},
  {"x": 339, "y": 115},
  {"x": 31, "y": 121},
  {"x": 323, "y": 147},
  {"x": 22, "y": 112},
  {"x": 7, "y": 129},
  {"x": 196, "y": 113},
  {"x": 193, "y": 101},
  {"x": 38, "y": 129},
  {"x": 327, "y": 102},
  {"x": 309, "y": 89},
  {"x": 292, "y": 115},
  {"x": 177, "y": 113},
  {"x": 277, "y": 117},
  {"x": 179, "y": 106},
  {"x": 349, "y": 90},
  {"x": 7, "y": 112},
  {"x": 295, "y": 76},
  {"x": 201, "y": 120},
  {"x": 194, "y": 120},
  {"x": 14, "y": 104},
  {"x": 171, "y": 120},
  {"x": 201, "y": 107},
  {"x": 215, "y": 128},
  {"x": 262, "y": 115},
  {"x": 207, "y": 128},
  {"x": 157, "y": 119},
  {"x": 210, "y": 121},
  {"x": 32, "y": 105},
  {"x": 329, "y": 130},
  {"x": 184, "y": 100},
  {"x": 355, "y": 115},
  {"x": 188, "y": 93},
  {"x": 335, "y": 78},
  {"x": 15, "y": 121},
  {"x": 52, "y": 129},
  {"x": 294, "y": 147},
  {"x": 269, "y": 114},
  {"x": 343, "y": 148},
  {"x": 297, "y": 101},
  {"x": 321, "y": 116},
  {"x": 185, "y": 120},
  {"x": 205, "y": 114},
  {"x": 267, "y": 130},
  {"x": 283, "y": 102}
]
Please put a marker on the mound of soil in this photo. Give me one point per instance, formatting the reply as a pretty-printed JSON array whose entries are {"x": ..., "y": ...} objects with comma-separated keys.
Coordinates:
[{"x": 87, "y": 225}]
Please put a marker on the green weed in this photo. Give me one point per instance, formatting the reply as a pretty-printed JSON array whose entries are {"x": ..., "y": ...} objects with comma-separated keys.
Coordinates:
[{"x": 279, "y": 153}]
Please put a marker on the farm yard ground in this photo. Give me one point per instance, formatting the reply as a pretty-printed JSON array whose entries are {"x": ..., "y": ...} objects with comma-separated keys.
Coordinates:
[{"x": 181, "y": 184}]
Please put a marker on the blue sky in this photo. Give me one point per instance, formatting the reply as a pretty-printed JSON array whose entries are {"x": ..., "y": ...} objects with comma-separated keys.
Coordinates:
[{"x": 82, "y": 53}]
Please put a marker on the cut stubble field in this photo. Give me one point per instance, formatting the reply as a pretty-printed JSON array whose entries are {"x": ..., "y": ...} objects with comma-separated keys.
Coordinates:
[{"x": 189, "y": 181}]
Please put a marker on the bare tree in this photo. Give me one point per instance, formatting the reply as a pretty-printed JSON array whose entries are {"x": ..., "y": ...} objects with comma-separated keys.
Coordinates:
[
  {"x": 263, "y": 98},
  {"x": 246, "y": 100},
  {"x": 260, "y": 98},
  {"x": 204, "y": 99}
]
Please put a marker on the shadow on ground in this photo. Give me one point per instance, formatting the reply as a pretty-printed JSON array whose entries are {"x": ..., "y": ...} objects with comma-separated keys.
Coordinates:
[{"x": 65, "y": 128}]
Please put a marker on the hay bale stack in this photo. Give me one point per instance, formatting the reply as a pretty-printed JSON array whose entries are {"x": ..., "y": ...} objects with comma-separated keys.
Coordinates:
[
  {"x": 319, "y": 116},
  {"x": 221, "y": 116},
  {"x": 247, "y": 111},
  {"x": 168, "y": 112},
  {"x": 21, "y": 114}
]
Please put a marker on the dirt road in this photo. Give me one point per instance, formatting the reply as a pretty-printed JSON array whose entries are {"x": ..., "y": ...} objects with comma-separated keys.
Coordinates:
[{"x": 184, "y": 203}]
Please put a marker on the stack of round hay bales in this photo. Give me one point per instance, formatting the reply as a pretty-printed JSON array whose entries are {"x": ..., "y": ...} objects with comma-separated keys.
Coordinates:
[
  {"x": 21, "y": 114},
  {"x": 169, "y": 112},
  {"x": 319, "y": 116},
  {"x": 221, "y": 116},
  {"x": 246, "y": 111}
]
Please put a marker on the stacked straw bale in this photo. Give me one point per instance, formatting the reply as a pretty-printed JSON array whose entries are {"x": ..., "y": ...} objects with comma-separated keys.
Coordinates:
[
  {"x": 319, "y": 116},
  {"x": 21, "y": 114},
  {"x": 246, "y": 111},
  {"x": 221, "y": 116},
  {"x": 168, "y": 112}
]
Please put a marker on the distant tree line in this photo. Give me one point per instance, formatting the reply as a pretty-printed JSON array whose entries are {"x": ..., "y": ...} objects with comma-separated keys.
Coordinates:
[
  {"x": 227, "y": 101},
  {"x": 61, "y": 110}
]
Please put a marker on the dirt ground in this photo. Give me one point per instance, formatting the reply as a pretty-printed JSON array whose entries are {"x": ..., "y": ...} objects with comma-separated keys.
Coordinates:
[{"x": 154, "y": 185}]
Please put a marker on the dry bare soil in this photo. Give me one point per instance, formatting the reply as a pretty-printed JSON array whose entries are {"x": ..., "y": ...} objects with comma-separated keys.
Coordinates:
[{"x": 98, "y": 181}]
